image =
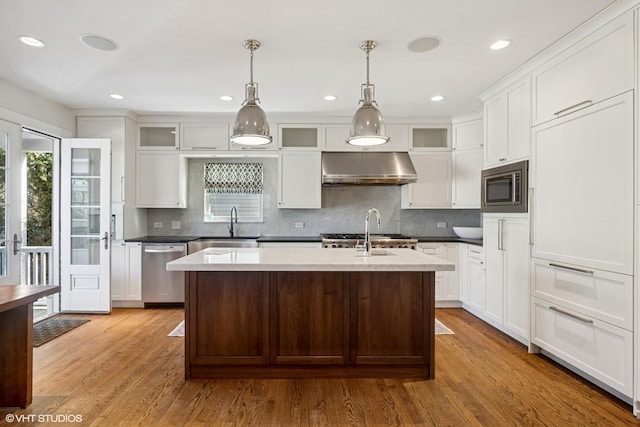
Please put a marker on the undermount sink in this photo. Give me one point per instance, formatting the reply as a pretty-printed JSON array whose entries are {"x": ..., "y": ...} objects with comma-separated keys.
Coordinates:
[
  {"x": 377, "y": 252},
  {"x": 221, "y": 242}
]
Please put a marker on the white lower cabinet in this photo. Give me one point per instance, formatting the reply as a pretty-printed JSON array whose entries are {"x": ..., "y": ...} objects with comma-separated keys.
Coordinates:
[
  {"x": 126, "y": 273},
  {"x": 597, "y": 348},
  {"x": 447, "y": 282},
  {"x": 476, "y": 277},
  {"x": 599, "y": 294},
  {"x": 299, "y": 179},
  {"x": 506, "y": 245},
  {"x": 472, "y": 278}
]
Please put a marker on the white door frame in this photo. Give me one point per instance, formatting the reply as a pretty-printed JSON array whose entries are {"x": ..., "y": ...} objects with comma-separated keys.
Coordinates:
[{"x": 13, "y": 202}]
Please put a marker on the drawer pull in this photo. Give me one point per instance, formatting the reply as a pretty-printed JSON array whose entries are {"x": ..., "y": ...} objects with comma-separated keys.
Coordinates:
[
  {"x": 582, "y": 319},
  {"x": 582, "y": 104},
  {"x": 579, "y": 270}
]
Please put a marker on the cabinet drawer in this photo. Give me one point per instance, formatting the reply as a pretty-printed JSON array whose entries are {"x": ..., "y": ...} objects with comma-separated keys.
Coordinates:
[
  {"x": 597, "y": 67},
  {"x": 603, "y": 295},
  {"x": 474, "y": 251},
  {"x": 596, "y": 348}
]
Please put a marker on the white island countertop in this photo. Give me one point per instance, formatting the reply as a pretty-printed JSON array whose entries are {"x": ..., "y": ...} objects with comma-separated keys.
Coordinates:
[{"x": 308, "y": 259}]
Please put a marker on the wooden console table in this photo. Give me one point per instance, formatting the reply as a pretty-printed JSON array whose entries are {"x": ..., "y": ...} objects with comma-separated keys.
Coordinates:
[{"x": 16, "y": 342}]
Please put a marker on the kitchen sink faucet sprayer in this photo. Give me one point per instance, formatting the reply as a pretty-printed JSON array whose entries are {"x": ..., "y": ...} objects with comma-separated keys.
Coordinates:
[
  {"x": 234, "y": 215},
  {"x": 367, "y": 240}
]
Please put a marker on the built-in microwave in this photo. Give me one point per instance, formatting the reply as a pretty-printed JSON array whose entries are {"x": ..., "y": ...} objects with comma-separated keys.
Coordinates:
[{"x": 504, "y": 188}]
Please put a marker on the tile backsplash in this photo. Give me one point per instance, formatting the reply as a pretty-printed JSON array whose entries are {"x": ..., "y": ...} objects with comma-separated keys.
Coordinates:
[{"x": 343, "y": 210}]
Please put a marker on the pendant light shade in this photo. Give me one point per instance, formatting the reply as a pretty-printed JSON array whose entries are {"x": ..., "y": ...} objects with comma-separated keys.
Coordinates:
[
  {"x": 367, "y": 126},
  {"x": 251, "y": 126}
]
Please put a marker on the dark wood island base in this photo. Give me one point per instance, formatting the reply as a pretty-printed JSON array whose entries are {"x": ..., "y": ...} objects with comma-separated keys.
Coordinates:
[
  {"x": 16, "y": 342},
  {"x": 315, "y": 324}
]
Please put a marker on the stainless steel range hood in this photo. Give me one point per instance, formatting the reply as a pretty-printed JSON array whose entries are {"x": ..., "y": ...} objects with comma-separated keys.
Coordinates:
[{"x": 367, "y": 168}]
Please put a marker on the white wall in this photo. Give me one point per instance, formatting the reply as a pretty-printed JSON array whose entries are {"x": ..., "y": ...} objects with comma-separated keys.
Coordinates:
[{"x": 28, "y": 109}]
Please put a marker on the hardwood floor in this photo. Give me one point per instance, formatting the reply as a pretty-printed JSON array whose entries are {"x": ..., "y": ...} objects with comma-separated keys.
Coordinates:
[{"x": 122, "y": 369}]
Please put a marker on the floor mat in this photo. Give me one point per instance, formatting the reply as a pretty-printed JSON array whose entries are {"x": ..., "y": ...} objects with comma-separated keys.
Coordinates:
[
  {"x": 178, "y": 331},
  {"x": 442, "y": 330},
  {"x": 49, "y": 329}
]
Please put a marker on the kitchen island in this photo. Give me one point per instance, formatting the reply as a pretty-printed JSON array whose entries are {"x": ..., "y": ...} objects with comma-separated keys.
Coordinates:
[{"x": 309, "y": 312}]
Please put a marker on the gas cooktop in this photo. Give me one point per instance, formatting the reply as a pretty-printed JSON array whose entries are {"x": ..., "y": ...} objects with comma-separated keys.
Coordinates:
[{"x": 352, "y": 236}]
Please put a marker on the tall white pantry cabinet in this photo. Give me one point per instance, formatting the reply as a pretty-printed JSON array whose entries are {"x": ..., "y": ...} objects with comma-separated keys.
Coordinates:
[
  {"x": 584, "y": 197},
  {"x": 582, "y": 176}
]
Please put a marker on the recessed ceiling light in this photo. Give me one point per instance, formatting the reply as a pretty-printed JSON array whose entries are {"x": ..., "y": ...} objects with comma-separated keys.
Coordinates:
[
  {"x": 437, "y": 98},
  {"x": 99, "y": 42},
  {"x": 330, "y": 98},
  {"x": 226, "y": 98},
  {"x": 500, "y": 44},
  {"x": 31, "y": 41},
  {"x": 424, "y": 44},
  {"x": 116, "y": 96}
]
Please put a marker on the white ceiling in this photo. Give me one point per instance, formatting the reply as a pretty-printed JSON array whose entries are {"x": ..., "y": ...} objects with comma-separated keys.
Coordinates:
[{"x": 180, "y": 56}]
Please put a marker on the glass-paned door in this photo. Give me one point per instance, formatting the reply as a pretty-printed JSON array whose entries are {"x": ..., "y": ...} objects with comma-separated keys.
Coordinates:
[
  {"x": 85, "y": 202},
  {"x": 10, "y": 208}
]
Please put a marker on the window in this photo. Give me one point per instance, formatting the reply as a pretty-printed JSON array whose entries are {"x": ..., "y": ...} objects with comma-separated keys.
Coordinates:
[{"x": 229, "y": 185}]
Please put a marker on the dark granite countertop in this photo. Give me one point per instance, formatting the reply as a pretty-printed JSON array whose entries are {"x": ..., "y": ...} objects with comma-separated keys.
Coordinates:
[
  {"x": 163, "y": 239},
  {"x": 453, "y": 239},
  {"x": 289, "y": 239},
  {"x": 185, "y": 239}
]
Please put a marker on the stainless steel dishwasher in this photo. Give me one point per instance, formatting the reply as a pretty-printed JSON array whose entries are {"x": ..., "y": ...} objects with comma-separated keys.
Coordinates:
[{"x": 160, "y": 286}]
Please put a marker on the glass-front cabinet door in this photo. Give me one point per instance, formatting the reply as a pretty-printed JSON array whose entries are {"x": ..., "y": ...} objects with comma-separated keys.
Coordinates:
[{"x": 85, "y": 204}]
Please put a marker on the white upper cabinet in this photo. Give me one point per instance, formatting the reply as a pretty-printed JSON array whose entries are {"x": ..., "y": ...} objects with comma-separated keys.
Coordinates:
[
  {"x": 582, "y": 176},
  {"x": 299, "y": 180},
  {"x": 597, "y": 67},
  {"x": 430, "y": 138},
  {"x": 299, "y": 136},
  {"x": 433, "y": 188},
  {"x": 466, "y": 162},
  {"x": 161, "y": 180},
  {"x": 507, "y": 124},
  {"x": 467, "y": 135},
  {"x": 158, "y": 136},
  {"x": 398, "y": 139},
  {"x": 334, "y": 138},
  {"x": 204, "y": 136},
  {"x": 465, "y": 182}
]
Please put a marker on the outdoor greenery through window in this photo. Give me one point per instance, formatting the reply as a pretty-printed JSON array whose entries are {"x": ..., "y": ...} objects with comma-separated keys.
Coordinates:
[
  {"x": 229, "y": 185},
  {"x": 39, "y": 193}
]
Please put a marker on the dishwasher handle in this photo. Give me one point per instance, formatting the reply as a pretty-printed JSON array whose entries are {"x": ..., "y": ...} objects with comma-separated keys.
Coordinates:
[{"x": 163, "y": 250}]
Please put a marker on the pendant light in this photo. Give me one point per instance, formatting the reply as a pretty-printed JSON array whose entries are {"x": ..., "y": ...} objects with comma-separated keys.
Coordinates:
[
  {"x": 367, "y": 125},
  {"x": 251, "y": 126}
]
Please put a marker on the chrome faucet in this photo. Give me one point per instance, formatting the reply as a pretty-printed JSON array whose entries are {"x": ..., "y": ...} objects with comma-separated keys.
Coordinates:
[
  {"x": 367, "y": 240},
  {"x": 234, "y": 215}
]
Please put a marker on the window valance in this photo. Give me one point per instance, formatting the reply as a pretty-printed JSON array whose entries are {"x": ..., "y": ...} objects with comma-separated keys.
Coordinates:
[{"x": 239, "y": 178}]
